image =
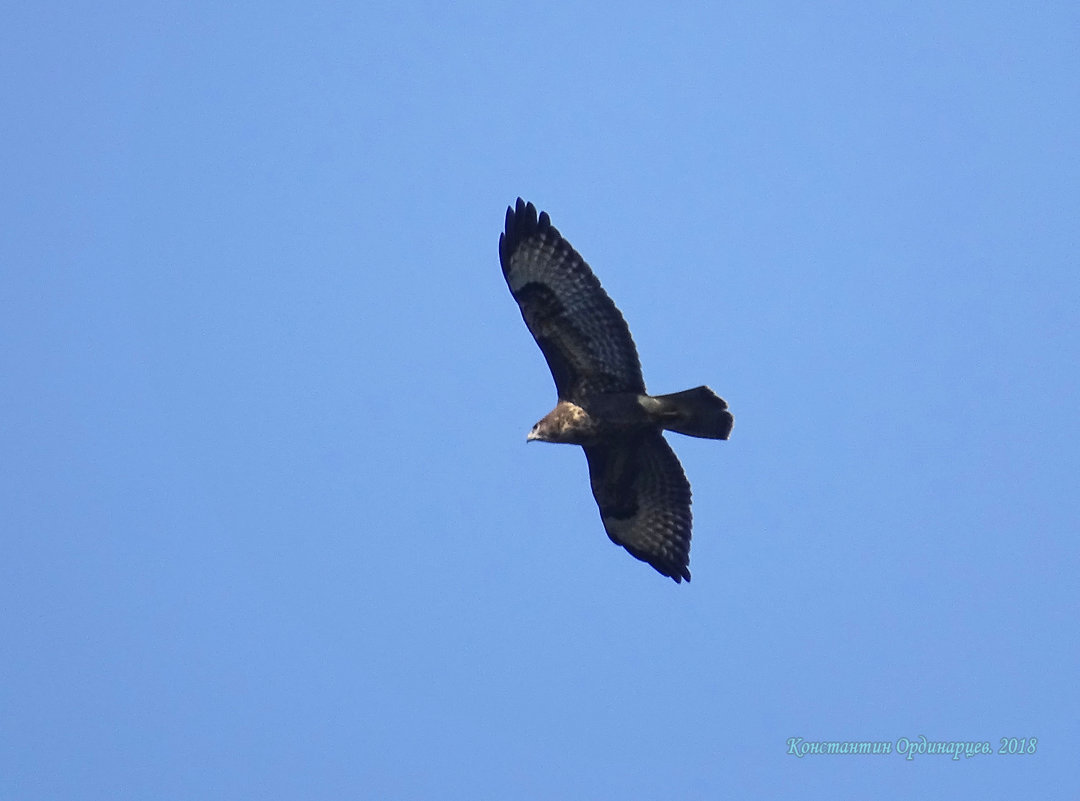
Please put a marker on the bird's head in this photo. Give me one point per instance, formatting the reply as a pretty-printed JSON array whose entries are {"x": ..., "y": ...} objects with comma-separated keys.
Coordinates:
[
  {"x": 562, "y": 424},
  {"x": 541, "y": 431}
]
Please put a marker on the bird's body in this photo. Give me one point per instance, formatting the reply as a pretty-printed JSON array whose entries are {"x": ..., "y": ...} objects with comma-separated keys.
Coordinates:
[{"x": 638, "y": 483}]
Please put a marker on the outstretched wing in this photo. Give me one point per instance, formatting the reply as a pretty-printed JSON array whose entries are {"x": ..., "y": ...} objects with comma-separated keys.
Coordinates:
[
  {"x": 644, "y": 500},
  {"x": 583, "y": 336}
]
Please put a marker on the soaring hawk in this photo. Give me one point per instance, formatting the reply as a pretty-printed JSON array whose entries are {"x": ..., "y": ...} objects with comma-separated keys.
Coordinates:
[{"x": 638, "y": 483}]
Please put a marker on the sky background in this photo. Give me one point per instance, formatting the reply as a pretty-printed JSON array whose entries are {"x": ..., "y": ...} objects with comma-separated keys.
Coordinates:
[{"x": 269, "y": 528}]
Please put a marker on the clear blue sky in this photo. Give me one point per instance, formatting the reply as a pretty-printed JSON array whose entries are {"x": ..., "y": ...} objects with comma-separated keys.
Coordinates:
[{"x": 270, "y": 528}]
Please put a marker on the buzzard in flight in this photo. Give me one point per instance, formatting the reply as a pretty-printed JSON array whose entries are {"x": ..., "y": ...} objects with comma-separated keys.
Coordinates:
[{"x": 638, "y": 483}]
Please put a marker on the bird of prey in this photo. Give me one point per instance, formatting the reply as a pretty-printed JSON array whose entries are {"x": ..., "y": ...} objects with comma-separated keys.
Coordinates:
[{"x": 638, "y": 483}]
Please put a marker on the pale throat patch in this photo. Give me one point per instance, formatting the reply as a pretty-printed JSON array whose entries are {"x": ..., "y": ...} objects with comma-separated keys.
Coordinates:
[{"x": 576, "y": 413}]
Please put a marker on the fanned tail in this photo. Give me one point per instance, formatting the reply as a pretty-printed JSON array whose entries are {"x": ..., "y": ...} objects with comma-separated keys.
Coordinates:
[{"x": 697, "y": 412}]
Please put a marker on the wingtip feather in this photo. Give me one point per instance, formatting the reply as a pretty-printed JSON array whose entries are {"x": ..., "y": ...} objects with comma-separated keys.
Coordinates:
[{"x": 521, "y": 222}]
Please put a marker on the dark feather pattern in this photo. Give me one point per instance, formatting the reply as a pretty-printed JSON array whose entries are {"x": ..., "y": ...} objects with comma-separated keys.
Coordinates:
[
  {"x": 583, "y": 336},
  {"x": 644, "y": 501},
  {"x": 637, "y": 481}
]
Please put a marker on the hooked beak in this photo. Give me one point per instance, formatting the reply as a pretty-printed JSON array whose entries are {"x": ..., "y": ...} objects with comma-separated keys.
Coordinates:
[{"x": 531, "y": 436}]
